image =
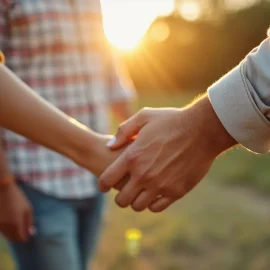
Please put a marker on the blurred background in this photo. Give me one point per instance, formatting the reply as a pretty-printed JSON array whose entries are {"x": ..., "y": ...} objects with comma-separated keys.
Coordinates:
[{"x": 171, "y": 51}]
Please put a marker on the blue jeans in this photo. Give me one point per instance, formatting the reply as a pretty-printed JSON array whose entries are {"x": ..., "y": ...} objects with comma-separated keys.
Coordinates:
[{"x": 66, "y": 236}]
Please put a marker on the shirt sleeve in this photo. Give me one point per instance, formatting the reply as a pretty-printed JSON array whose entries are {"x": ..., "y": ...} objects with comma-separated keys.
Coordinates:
[{"x": 241, "y": 100}]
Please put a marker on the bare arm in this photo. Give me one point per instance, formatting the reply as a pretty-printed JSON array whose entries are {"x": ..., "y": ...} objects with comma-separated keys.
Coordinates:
[{"x": 25, "y": 113}]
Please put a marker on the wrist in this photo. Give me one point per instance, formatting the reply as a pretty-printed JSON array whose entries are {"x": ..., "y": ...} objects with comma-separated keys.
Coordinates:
[
  {"x": 96, "y": 156},
  {"x": 82, "y": 148},
  {"x": 214, "y": 137}
]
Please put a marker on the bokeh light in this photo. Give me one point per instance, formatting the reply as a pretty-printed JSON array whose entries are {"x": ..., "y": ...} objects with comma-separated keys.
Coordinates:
[
  {"x": 190, "y": 10},
  {"x": 133, "y": 237},
  {"x": 160, "y": 32}
]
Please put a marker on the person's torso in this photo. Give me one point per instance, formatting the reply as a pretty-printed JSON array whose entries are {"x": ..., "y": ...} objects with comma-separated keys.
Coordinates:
[{"x": 58, "y": 48}]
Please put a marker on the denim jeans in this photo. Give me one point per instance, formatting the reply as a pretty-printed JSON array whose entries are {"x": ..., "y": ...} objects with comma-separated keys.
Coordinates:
[{"x": 66, "y": 233}]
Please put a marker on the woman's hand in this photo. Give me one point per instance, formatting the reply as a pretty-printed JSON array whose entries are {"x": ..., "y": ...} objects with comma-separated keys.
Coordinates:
[{"x": 93, "y": 154}]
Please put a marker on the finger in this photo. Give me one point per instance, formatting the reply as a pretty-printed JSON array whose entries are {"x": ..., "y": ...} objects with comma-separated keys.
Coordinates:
[
  {"x": 161, "y": 204},
  {"x": 128, "y": 130},
  {"x": 128, "y": 193},
  {"x": 144, "y": 199},
  {"x": 122, "y": 183},
  {"x": 113, "y": 174}
]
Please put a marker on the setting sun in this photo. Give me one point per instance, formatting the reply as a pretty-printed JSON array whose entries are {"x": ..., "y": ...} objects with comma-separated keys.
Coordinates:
[{"x": 125, "y": 22}]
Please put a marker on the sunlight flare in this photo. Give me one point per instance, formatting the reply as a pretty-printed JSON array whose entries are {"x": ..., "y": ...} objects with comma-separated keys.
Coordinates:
[{"x": 125, "y": 22}]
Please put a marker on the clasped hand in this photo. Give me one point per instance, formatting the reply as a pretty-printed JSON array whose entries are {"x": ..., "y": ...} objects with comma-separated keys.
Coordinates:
[{"x": 173, "y": 150}]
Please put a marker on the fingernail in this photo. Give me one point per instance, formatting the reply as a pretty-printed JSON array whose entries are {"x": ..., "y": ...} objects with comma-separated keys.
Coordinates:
[{"x": 111, "y": 142}]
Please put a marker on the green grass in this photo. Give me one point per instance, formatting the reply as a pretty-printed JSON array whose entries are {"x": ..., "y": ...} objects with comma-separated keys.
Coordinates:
[
  {"x": 242, "y": 168},
  {"x": 212, "y": 228}
]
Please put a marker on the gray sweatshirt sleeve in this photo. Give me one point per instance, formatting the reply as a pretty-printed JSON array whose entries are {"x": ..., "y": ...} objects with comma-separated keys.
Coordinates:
[{"x": 241, "y": 100}]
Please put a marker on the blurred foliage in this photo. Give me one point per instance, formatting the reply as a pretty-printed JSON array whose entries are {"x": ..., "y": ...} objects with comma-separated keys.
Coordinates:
[{"x": 176, "y": 55}]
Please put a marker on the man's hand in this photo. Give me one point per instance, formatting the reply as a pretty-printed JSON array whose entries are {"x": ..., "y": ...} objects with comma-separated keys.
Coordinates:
[
  {"x": 173, "y": 151},
  {"x": 16, "y": 218}
]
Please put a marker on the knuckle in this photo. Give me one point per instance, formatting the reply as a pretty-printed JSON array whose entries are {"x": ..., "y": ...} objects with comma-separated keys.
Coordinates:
[
  {"x": 122, "y": 130},
  {"x": 121, "y": 184},
  {"x": 170, "y": 192},
  {"x": 166, "y": 189},
  {"x": 141, "y": 178},
  {"x": 145, "y": 178},
  {"x": 150, "y": 176},
  {"x": 121, "y": 203}
]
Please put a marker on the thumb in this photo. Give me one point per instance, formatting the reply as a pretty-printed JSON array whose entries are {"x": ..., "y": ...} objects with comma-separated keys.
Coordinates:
[{"x": 128, "y": 130}]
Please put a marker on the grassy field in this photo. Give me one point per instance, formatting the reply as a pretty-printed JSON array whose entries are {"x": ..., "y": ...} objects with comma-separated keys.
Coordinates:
[
  {"x": 212, "y": 228},
  {"x": 222, "y": 225}
]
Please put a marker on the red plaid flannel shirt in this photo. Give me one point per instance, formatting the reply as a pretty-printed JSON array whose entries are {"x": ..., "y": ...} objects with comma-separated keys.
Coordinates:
[{"x": 58, "y": 48}]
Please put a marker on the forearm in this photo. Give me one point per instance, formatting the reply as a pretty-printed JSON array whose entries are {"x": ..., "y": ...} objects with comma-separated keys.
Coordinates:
[{"x": 24, "y": 112}]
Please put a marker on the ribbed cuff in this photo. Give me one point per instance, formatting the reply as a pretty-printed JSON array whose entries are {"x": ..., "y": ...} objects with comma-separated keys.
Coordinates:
[{"x": 234, "y": 106}]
